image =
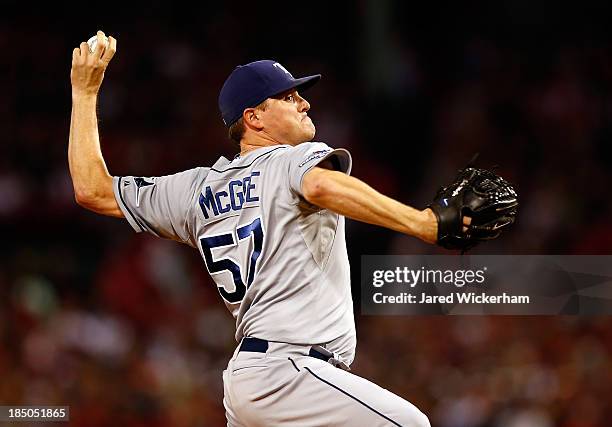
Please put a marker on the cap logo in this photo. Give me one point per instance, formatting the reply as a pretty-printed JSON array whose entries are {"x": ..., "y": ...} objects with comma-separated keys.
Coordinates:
[{"x": 277, "y": 65}]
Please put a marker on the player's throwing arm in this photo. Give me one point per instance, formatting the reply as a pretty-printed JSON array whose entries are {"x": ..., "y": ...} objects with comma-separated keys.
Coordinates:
[{"x": 90, "y": 178}]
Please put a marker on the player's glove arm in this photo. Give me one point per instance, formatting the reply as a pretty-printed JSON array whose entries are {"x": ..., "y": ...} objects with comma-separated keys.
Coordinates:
[{"x": 355, "y": 199}]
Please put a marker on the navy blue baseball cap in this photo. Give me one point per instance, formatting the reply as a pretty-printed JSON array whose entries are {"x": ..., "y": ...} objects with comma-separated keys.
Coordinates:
[{"x": 251, "y": 84}]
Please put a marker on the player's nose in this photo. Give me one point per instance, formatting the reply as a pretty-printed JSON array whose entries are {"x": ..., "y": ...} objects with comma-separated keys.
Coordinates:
[{"x": 304, "y": 105}]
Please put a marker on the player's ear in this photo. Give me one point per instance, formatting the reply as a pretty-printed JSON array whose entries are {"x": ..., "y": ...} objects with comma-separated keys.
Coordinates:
[{"x": 252, "y": 118}]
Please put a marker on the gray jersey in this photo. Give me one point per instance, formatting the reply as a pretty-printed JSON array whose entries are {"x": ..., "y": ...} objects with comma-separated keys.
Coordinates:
[{"x": 279, "y": 263}]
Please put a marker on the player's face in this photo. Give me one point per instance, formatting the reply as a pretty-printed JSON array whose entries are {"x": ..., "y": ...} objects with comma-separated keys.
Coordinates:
[{"x": 286, "y": 120}]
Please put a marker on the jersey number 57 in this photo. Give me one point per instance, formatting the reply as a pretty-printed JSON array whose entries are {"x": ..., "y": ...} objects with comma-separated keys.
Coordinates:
[{"x": 226, "y": 264}]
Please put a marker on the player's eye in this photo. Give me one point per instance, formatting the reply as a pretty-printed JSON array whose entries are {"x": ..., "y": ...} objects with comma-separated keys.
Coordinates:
[{"x": 289, "y": 98}]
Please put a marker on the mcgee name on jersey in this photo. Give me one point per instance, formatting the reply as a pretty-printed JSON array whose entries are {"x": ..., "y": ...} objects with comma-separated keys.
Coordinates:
[{"x": 231, "y": 197}]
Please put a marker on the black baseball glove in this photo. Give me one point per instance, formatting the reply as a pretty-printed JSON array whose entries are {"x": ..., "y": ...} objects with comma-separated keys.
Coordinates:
[{"x": 487, "y": 198}]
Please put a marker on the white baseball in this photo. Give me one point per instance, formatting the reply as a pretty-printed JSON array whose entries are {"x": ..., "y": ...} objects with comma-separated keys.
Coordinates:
[{"x": 93, "y": 41}]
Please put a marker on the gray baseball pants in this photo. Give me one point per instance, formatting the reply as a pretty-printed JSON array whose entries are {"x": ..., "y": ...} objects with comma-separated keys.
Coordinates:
[{"x": 286, "y": 387}]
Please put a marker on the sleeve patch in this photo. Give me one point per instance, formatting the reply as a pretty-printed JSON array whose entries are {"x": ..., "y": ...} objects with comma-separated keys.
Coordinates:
[
  {"x": 315, "y": 155},
  {"x": 140, "y": 183}
]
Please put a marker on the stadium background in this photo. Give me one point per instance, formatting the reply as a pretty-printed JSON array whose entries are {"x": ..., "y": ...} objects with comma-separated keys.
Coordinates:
[{"x": 129, "y": 330}]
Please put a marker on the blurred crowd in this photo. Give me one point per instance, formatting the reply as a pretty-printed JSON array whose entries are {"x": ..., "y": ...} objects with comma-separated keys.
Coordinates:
[{"x": 129, "y": 330}]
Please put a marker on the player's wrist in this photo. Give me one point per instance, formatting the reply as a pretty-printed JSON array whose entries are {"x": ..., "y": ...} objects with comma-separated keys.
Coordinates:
[
  {"x": 429, "y": 226},
  {"x": 84, "y": 95}
]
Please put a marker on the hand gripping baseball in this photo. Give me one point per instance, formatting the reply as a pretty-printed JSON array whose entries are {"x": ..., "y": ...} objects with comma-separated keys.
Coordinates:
[
  {"x": 487, "y": 198},
  {"x": 88, "y": 67}
]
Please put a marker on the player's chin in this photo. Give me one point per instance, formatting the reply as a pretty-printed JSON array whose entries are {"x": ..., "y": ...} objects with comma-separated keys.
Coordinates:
[{"x": 309, "y": 130}]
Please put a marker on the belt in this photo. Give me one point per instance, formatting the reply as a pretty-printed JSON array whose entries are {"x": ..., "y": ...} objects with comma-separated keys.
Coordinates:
[{"x": 258, "y": 345}]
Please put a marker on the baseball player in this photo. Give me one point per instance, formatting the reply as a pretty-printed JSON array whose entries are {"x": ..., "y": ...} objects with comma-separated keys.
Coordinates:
[{"x": 269, "y": 225}]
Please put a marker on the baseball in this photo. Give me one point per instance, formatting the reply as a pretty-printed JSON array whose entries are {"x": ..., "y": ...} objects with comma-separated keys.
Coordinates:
[{"x": 93, "y": 41}]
